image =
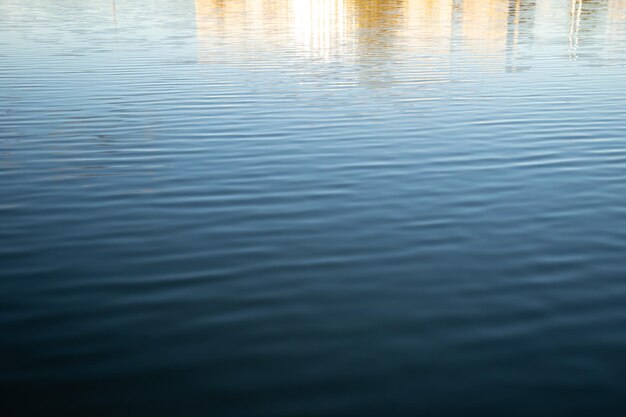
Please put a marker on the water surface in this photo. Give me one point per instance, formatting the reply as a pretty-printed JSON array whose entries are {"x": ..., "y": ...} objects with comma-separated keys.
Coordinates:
[{"x": 313, "y": 207}]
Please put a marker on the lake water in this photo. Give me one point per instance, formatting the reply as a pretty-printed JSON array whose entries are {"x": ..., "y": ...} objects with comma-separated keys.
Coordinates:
[{"x": 313, "y": 207}]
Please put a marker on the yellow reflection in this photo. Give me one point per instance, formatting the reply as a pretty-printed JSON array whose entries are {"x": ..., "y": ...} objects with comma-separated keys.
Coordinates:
[
  {"x": 362, "y": 31},
  {"x": 326, "y": 29},
  {"x": 485, "y": 25},
  {"x": 427, "y": 31},
  {"x": 251, "y": 25}
]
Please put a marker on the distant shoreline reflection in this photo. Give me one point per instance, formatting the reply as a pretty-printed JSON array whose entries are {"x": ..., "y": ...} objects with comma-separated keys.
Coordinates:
[{"x": 353, "y": 30}]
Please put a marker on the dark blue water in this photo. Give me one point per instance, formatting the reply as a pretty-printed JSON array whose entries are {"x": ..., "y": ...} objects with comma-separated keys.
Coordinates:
[{"x": 313, "y": 207}]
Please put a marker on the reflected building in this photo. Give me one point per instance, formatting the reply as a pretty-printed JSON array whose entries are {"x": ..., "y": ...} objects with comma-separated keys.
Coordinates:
[
  {"x": 485, "y": 26},
  {"x": 248, "y": 26},
  {"x": 493, "y": 30},
  {"x": 520, "y": 31},
  {"x": 484, "y": 31},
  {"x": 316, "y": 29},
  {"x": 429, "y": 26},
  {"x": 423, "y": 34},
  {"x": 616, "y": 18}
]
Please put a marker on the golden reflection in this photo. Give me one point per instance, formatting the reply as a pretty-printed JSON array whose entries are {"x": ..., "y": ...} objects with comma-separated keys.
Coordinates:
[
  {"x": 251, "y": 25},
  {"x": 429, "y": 22},
  {"x": 362, "y": 31},
  {"x": 345, "y": 28},
  {"x": 485, "y": 25}
]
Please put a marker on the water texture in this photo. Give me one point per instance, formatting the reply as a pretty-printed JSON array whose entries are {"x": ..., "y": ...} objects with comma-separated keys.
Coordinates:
[{"x": 313, "y": 207}]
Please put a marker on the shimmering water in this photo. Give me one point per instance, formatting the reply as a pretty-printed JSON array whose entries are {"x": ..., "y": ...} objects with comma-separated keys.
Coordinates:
[{"x": 312, "y": 207}]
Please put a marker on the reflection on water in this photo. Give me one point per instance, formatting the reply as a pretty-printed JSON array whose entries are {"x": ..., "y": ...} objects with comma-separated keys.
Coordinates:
[
  {"x": 616, "y": 29},
  {"x": 352, "y": 30},
  {"x": 322, "y": 28},
  {"x": 286, "y": 208},
  {"x": 576, "y": 11}
]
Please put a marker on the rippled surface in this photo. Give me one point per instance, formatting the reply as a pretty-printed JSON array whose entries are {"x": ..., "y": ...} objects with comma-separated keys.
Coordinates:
[{"x": 313, "y": 207}]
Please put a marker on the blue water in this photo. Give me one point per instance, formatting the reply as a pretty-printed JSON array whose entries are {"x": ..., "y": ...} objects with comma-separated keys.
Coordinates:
[{"x": 313, "y": 207}]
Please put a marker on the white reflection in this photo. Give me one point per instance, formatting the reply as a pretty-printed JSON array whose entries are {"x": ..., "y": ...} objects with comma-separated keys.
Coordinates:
[
  {"x": 616, "y": 16},
  {"x": 322, "y": 28},
  {"x": 575, "y": 13}
]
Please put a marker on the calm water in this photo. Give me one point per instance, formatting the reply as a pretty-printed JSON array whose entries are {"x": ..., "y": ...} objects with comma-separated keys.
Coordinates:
[{"x": 313, "y": 207}]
